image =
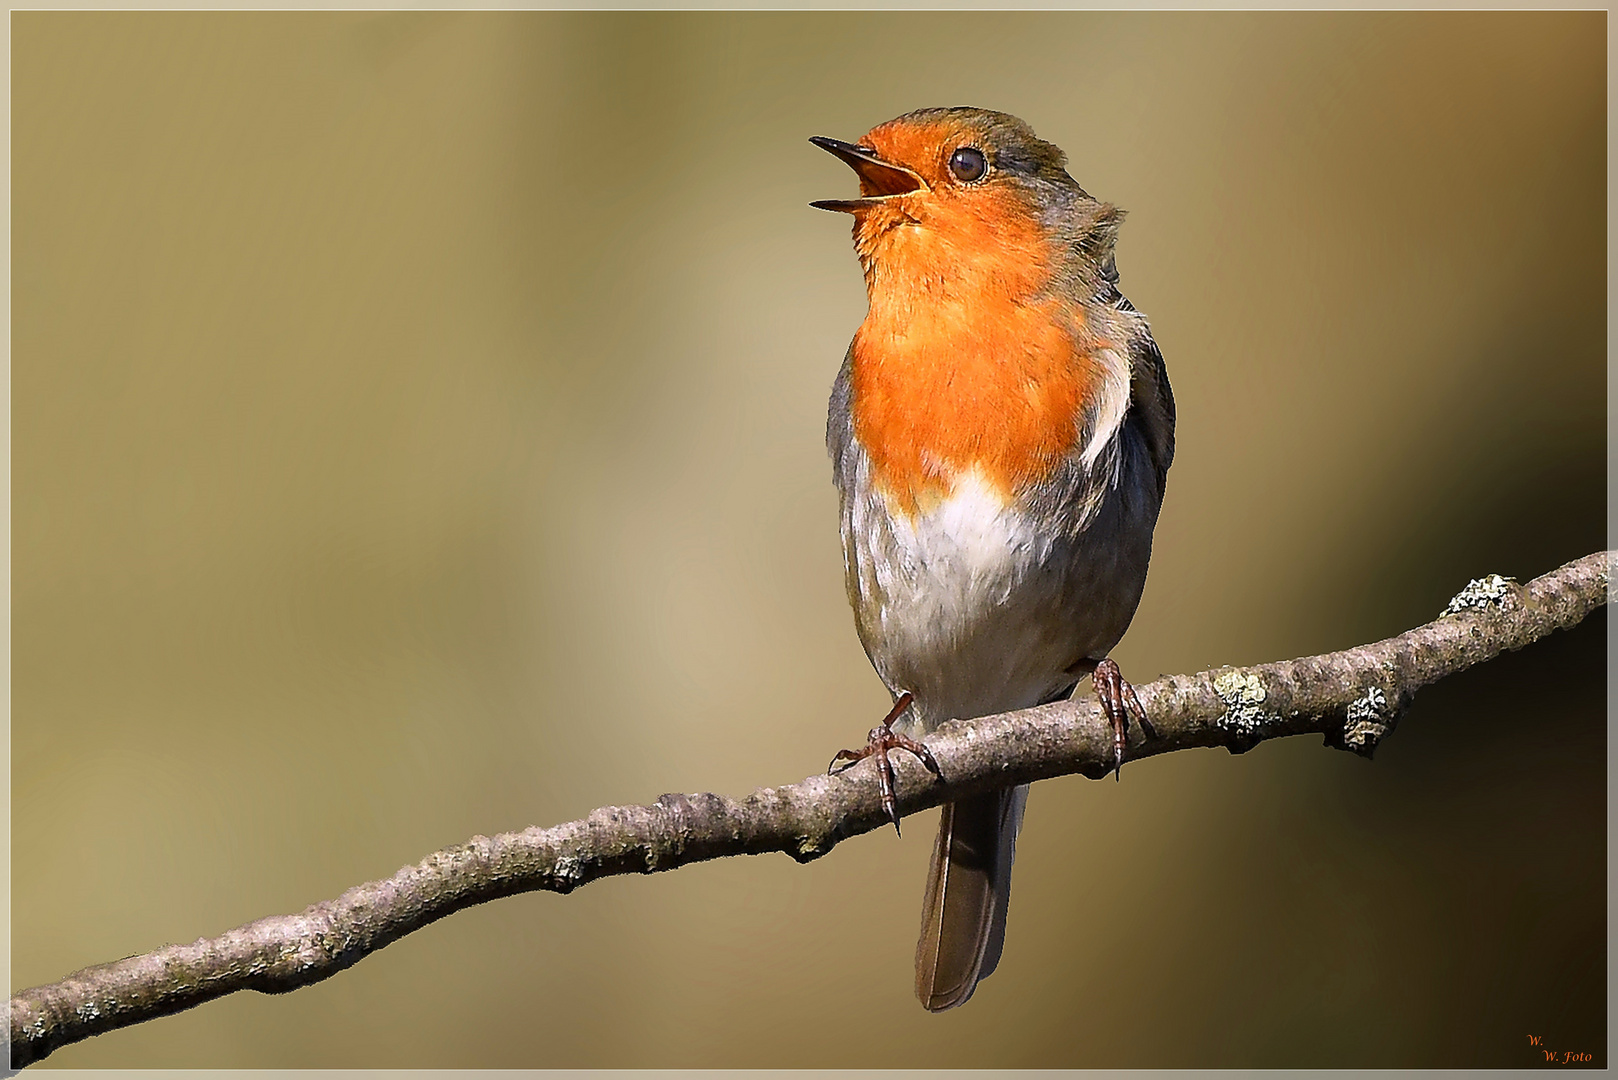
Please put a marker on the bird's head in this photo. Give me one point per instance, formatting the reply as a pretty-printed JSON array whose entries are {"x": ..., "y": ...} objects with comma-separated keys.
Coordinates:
[{"x": 949, "y": 195}]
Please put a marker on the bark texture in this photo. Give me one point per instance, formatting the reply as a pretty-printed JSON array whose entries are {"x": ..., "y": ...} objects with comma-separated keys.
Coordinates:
[{"x": 1353, "y": 698}]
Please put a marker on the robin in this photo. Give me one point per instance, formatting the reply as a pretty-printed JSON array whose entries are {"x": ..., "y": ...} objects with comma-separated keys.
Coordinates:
[{"x": 1000, "y": 434}]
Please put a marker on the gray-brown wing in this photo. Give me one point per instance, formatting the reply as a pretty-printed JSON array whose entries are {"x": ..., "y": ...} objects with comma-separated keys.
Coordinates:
[
  {"x": 840, "y": 426},
  {"x": 1151, "y": 399}
]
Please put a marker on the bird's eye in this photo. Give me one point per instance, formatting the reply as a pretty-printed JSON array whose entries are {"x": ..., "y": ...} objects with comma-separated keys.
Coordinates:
[{"x": 968, "y": 164}]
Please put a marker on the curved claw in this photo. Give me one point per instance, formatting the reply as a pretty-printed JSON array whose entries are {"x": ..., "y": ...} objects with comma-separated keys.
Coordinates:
[
  {"x": 842, "y": 755},
  {"x": 882, "y": 739},
  {"x": 1119, "y": 701},
  {"x": 884, "y": 785}
]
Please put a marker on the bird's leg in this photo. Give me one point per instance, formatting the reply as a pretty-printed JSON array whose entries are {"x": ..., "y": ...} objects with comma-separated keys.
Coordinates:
[
  {"x": 1118, "y": 701},
  {"x": 882, "y": 739}
]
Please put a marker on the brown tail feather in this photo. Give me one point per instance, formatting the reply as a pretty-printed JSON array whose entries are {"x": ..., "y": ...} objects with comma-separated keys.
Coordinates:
[{"x": 963, "y": 917}]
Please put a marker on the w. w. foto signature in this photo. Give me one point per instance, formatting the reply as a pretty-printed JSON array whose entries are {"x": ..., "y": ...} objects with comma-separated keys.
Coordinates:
[{"x": 1557, "y": 1057}]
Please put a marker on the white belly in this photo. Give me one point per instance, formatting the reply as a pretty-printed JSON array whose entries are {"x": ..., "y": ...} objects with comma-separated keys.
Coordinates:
[{"x": 978, "y": 606}]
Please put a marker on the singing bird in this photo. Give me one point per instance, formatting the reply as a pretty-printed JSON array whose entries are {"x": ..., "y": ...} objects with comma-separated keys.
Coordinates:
[{"x": 1000, "y": 434}]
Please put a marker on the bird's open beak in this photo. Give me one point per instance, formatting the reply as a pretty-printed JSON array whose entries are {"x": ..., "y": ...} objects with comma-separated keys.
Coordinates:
[{"x": 879, "y": 179}]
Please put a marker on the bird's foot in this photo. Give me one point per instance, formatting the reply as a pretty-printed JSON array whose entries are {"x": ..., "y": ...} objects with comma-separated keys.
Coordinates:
[
  {"x": 882, "y": 739},
  {"x": 1119, "y": 702}
]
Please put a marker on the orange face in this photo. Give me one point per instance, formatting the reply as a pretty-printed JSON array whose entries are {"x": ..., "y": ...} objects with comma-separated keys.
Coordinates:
[
  {"x": 967, "y": 361},
  {"x": 931, "y": 209}
]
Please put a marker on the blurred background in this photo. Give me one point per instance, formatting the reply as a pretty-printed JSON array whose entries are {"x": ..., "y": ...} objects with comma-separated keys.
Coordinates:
[{"x": 418, "y": 432}]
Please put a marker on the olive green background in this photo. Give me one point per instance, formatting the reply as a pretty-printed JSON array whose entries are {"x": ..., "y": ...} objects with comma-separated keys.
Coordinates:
[{"x": 418, "y": 433}]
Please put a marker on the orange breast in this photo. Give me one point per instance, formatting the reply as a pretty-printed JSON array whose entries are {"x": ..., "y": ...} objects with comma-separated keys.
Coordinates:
[{"x": 957, "y": 368}]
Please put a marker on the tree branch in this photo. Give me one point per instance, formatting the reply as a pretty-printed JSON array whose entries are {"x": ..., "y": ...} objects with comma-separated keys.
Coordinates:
[{"x": 1353, "y": 697}]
